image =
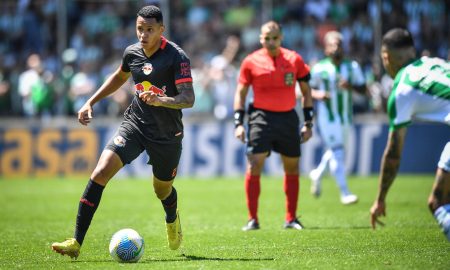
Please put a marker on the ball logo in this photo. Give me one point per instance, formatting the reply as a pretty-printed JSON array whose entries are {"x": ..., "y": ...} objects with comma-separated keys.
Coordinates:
[
  {"x": 147, "y": 68},
  {"x": 119, "y": 141}
]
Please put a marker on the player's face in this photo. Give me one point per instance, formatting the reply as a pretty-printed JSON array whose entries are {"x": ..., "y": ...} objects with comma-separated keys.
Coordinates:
[
  {"x": 333, "y": 49},
  {"x": 271, "y": 40},
  {"x": 149, "y": 32}
]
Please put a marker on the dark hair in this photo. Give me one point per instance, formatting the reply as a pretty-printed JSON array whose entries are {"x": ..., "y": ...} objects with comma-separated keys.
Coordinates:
[
  {"x": 397, "y": 38},
  {"x": 149, "y": 12}
]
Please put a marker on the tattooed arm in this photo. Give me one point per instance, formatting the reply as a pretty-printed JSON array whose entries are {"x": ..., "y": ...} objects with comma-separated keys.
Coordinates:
[
  {"x": 185, "y": 99},
  {"x": 391, "y": 161},
  {"x": 389, "y": 168}
]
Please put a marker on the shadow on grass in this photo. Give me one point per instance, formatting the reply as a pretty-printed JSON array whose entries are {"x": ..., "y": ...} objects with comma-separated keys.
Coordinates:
[
  {"x": 202, "y": 258},
  {"x": 339, "y": 228},
  {"x": 182, "y": 258}
]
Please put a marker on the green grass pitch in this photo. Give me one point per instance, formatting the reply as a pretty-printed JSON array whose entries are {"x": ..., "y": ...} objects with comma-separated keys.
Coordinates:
[{"x": 36, "y": 212}]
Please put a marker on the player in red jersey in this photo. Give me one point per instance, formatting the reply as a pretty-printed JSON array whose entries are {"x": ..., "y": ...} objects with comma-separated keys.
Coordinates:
[
  {"x": 152, "y": 123},
  {"x": 272, "y": 72}
]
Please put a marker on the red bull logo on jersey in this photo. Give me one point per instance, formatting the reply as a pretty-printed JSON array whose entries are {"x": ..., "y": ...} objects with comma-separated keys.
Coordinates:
[
  {"x": 147, "y": 68},
  {"x": 147, "y": 86}
]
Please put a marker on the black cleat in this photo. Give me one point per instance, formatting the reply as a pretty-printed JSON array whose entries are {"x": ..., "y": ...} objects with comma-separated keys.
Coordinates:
[{"x": 293, "y": 224}]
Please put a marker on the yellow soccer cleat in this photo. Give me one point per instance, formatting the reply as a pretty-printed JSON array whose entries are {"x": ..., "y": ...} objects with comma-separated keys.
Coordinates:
[
  {"x": 69, "y": 247},
  {"x": 174, "y": 234}
]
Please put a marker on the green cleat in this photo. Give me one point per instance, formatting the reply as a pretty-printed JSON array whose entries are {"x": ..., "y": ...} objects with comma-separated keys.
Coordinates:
[
  {"x": 69, "y": 247},
  {"x": 174, "y": 234}
]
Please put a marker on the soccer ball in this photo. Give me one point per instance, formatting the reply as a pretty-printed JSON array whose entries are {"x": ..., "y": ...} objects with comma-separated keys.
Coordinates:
[{"x": 126, "y": 246}]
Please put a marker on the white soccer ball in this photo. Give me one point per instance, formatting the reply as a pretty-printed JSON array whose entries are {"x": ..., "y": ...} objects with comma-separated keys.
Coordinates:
[{"x": 126, "y": 246}]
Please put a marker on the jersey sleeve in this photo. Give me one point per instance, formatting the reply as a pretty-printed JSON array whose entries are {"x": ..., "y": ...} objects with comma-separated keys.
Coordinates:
[
  {"x": 302, "y": 68},
  {"x": 245, "y": 74},
  {"x": 182, "y": 67},
  {"x": 400, "y": 110},
  {"x": 125, "y": 67}
]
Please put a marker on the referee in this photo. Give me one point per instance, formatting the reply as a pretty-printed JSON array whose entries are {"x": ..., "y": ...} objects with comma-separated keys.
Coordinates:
[{"x": 272, "y": 72}]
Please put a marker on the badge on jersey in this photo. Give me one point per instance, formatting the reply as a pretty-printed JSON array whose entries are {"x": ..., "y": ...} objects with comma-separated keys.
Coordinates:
[
  {"x": 289, "y": 78},
  {"x": 147, "y": 68}
]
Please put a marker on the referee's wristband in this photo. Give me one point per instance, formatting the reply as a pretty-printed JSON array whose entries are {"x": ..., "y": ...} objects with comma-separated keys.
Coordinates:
[
  {"x": 239, "y": 118},
  {"x": 308, "y": 114}
]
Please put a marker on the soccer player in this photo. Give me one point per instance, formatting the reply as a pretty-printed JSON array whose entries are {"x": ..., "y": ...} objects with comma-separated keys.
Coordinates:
[
  {"x": 272, "y": 71},
  {"x": 163, "y": 86},
  {"x": 421, "y": 91},
  {"x": 333, "y": 79}
]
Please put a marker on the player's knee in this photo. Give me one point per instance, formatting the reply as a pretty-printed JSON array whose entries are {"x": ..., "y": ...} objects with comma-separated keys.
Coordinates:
[
  {"x": 162, "y": 192},
  {"x": 162, "y": 189},
  {"x": 254, "y": 167},
  {"x": 100, "y": 175},
  {"x": 108, "y": 165}
]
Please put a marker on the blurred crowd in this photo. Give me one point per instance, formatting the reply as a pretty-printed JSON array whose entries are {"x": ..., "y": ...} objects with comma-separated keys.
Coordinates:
[{"x": 39, "y": 79}]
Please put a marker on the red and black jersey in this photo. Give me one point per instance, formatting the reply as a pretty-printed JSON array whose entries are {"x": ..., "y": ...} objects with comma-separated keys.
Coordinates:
[
  {"x": 273, "y": 78},
  {"x": 159, "y": 74}
]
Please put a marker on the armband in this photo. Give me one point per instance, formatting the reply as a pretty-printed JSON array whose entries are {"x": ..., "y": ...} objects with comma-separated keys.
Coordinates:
[
  {"x": 308, "y": 113},
  {"x": 238, "y": 117}
]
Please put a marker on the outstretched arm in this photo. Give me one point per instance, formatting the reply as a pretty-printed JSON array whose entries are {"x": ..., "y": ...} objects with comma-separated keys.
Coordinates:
[
  {"x": 389, "y": 168},
  {"x": 114, "y": 82},
  {"x": 319, "y": 94},
  {"x": 362, "y": 89}
]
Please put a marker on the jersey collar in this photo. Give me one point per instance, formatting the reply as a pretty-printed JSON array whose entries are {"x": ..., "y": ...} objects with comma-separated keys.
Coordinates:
[
  {"x": 265, "y": 52},
  {"x": 163, "y": 43}
]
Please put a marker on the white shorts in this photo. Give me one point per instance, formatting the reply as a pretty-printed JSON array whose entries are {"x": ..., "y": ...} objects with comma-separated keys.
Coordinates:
[
  {"x": 444, "y": 161},
  {"x": 333, "y": 134}
]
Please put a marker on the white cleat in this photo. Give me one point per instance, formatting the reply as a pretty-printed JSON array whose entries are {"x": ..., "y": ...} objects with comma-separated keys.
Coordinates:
[{"x": 349, "y": 199}]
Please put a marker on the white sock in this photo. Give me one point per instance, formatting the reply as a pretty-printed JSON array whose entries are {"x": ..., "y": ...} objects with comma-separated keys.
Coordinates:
[
  {"x": 323, "y": 165},
  {"x": 442, "y": 215},
  {"x": 337, "y": 169}
]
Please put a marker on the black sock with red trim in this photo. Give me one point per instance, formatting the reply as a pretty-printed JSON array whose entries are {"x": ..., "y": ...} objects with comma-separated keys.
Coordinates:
[
  {"x": 170, "y": 206},
  {"x": 86, "y": 209}
]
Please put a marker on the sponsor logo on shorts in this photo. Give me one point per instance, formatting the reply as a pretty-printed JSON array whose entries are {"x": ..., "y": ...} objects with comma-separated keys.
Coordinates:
[{"x": 119, "y": 141}]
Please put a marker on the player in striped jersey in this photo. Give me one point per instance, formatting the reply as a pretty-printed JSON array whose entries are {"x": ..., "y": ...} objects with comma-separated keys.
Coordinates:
[
  {"x": 333, "y": 80},
  {"x": 421, "y": 91}
]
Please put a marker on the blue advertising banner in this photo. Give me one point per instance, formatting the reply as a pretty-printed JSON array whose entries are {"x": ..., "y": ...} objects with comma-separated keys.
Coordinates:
[{"x": 209, "y": 149}]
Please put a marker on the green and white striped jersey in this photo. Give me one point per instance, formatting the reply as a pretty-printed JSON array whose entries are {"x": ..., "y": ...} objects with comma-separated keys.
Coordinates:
[
  {"x": 325, "y": 76},
  {"x": 421, "y": 91}
]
